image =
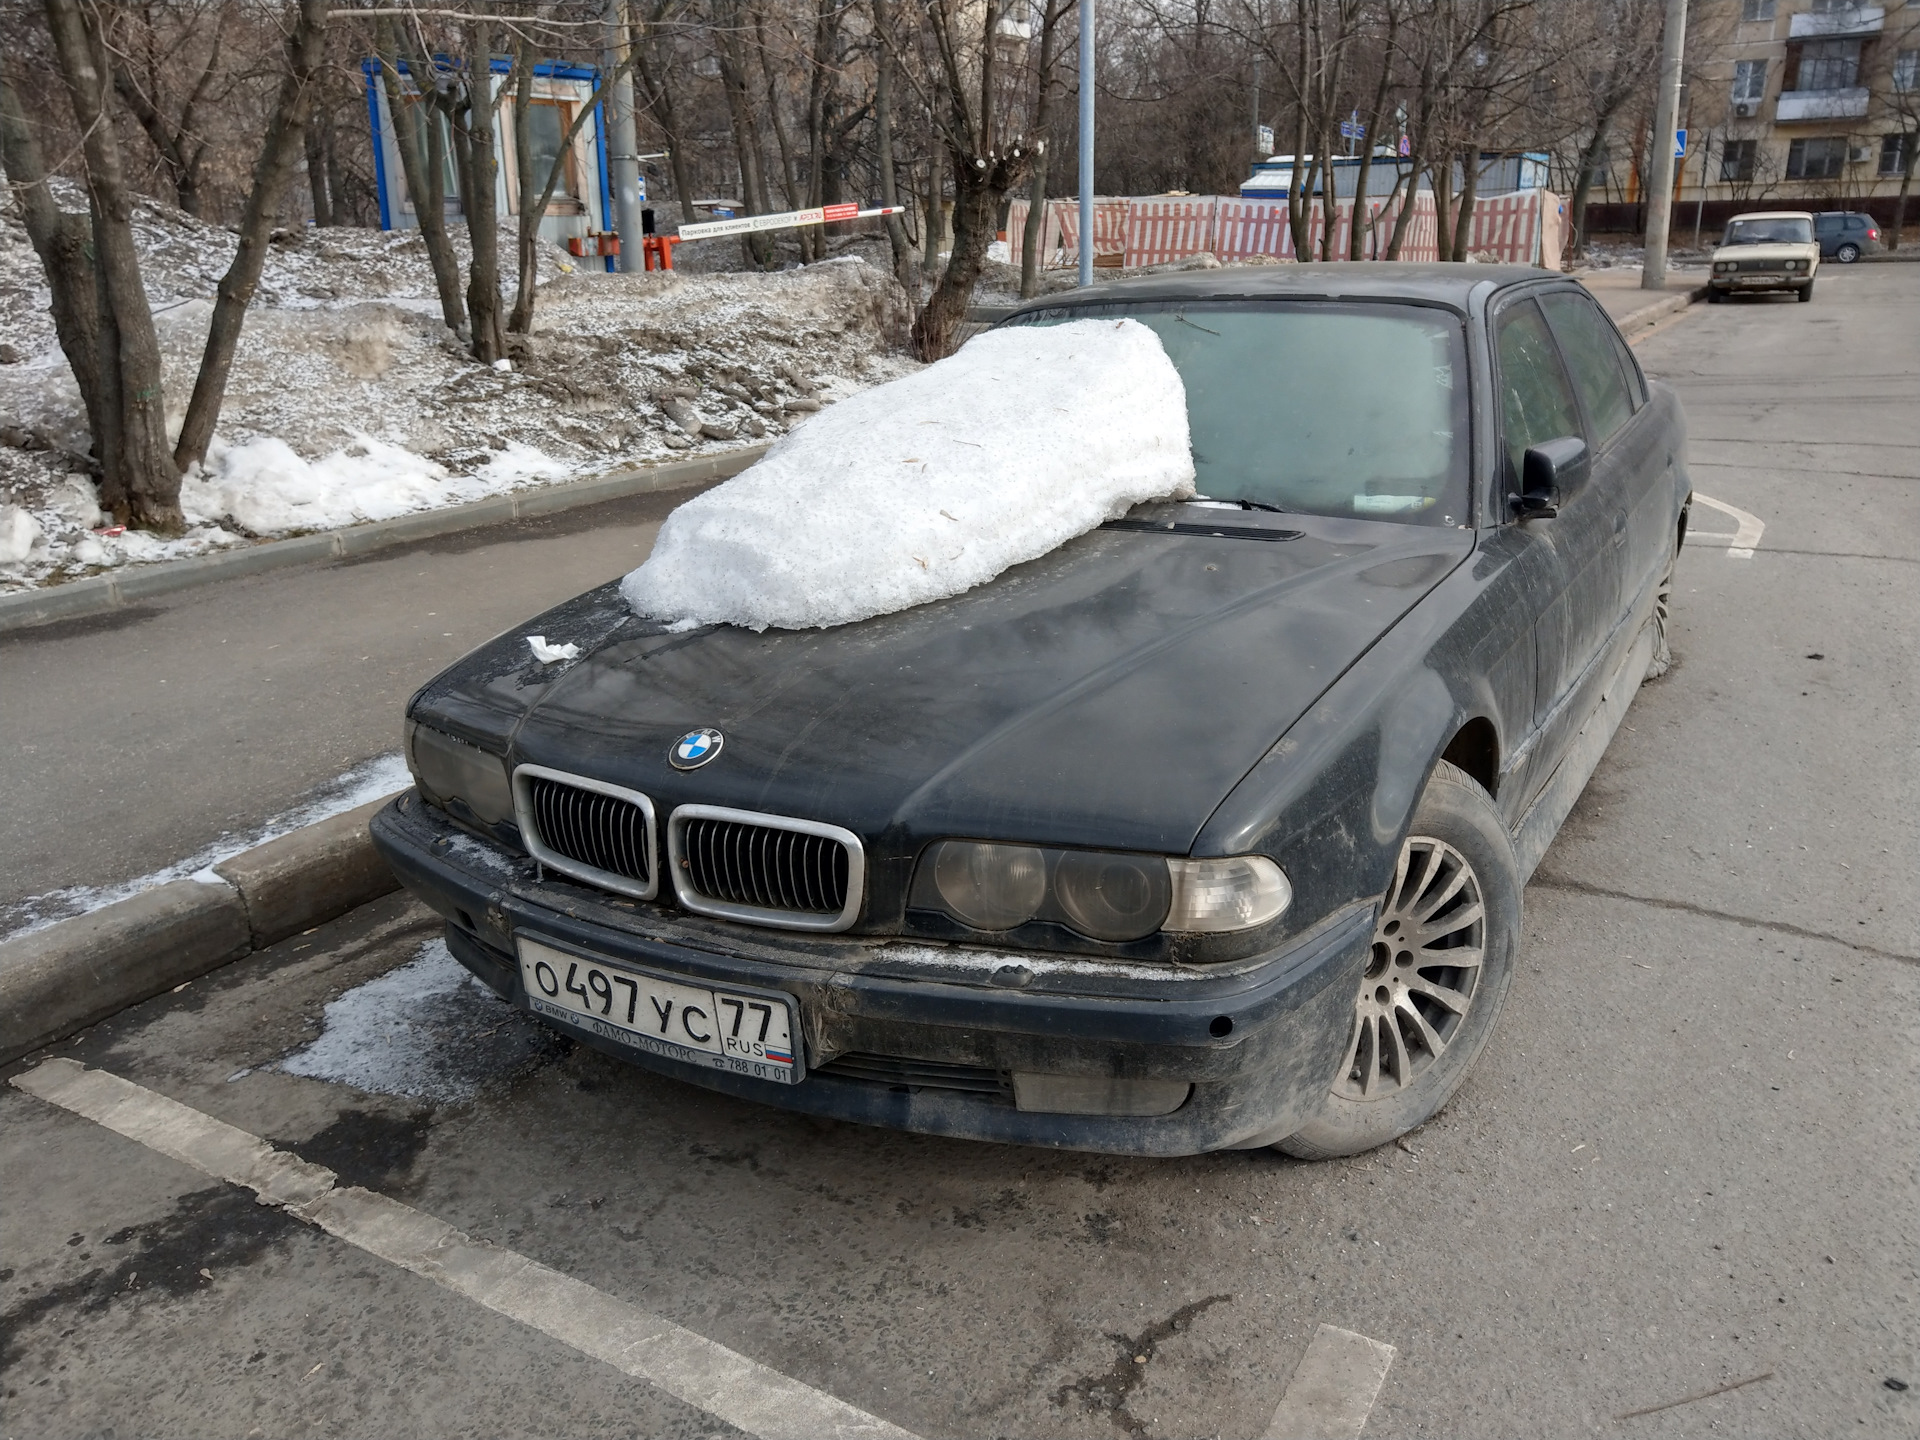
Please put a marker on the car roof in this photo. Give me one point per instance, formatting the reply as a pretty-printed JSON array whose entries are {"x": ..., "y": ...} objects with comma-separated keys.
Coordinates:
[
  {"x": 1846, "y": 214},
  {"x": 1445, "y": 284},
  {"x": 1774, "y": 215}
]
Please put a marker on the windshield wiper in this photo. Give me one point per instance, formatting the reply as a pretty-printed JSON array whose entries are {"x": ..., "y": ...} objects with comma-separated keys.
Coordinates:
[{"x": 1244, "y": 504}]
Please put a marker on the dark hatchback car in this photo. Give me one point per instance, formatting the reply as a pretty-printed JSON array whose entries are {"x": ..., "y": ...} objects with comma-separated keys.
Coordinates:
[
  {"x": 1846, "y": 235},
  {"x": 1206, "y": 830}
]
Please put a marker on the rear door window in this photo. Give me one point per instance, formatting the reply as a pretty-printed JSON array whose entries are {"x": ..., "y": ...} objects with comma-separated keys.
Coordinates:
[
  {"x": 1586, "y": 340},
  {"x": 1536, "y": 400}
]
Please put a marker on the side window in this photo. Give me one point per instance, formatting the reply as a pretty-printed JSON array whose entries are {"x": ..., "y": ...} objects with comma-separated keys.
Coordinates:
[
  {"x": 1629, "y": 367},
  {"x": 1536, "y": 402},
  {"x": 1586, "y": 339}
]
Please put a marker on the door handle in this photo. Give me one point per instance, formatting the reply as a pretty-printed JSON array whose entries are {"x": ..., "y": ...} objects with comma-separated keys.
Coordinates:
[{"x": 1619, "y": 528}]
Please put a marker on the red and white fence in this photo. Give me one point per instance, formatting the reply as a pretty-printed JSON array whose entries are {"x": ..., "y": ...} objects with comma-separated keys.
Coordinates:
[{"x": 1523, "y": 228}]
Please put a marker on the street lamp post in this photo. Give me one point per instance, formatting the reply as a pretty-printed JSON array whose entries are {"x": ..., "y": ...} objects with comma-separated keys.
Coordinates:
[
  {"x": 1666, "y": 112},
  {"x": 1086, "y": 142}
]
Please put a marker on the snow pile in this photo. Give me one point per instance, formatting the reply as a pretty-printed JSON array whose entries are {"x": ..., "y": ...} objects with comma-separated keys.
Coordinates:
[
  {"x": 931, "y": 485},
  {"x": 349, "y": 400}
]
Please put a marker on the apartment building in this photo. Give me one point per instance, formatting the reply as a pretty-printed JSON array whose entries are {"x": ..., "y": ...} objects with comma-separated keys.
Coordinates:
[{"x": 1807, "y": 103}]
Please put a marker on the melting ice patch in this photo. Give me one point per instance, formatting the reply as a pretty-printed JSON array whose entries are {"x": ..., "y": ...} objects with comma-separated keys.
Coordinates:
[
  {"x": 930, "y": 485},
  {"x": 428, "y": 1031},
  {"x": 374, "y": 780}
]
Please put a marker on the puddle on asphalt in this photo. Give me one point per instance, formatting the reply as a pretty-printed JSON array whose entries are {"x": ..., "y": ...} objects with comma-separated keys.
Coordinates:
[{"x": 426, "y": 1031}]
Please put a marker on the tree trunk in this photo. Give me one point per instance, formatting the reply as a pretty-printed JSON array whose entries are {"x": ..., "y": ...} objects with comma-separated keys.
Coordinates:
[
  {"x": 1376, "y": 120},
  {"x": 978, "y": 191},
  {"x": 140, "y": 475},
  {"x": 1906, "y": 187},
  {"x": 532, "y": 206},
  {"x": 1443, "y": 206},
  {"x": 425, "y": 172},
  {"x": 1590, "y": 154},
  {"x": 1299, "y": 196},
  {"x": 306, "y": 52},
  {"x": 318, "y": 178},
  {"x": 936, "y": 221},
  {"x": 483, "y": 216},
  {"x": 1034, "y": 235},
  {"x": 883, "y": 139},
  {"x": 1463, "y": 221},
  {"x": 753, "y": 188},
  {"x": 63, "y": 243},
  {"x": 660, "y": 93}
]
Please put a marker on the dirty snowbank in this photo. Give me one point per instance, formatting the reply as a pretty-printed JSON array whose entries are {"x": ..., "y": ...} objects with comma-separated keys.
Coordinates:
[
  {"x": 931, "y": 485},
  {"x": 349, "y": 400}
]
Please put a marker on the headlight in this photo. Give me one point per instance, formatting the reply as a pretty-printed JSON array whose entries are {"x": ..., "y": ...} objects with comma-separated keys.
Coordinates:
[
  {"x": 1112, "y": 897},
  {"x": 990, "y": 887},
  {"x": 1105, "y": 895},
  {"x": 1723, "y": 266},
  {"x": 451, "y": 772}
]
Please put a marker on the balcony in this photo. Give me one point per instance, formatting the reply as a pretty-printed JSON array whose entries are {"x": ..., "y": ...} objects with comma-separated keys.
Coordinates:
[
  {"x": 1798, "y": 105},
  {"x": 1856, "y": 20}
]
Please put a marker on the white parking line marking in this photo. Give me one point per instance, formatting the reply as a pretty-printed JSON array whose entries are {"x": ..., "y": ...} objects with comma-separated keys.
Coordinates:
[
  {"x": 1752, "y": 527},
  {"x": 722, "y": 1382},
  {"x": 1333, "y": 1388}
]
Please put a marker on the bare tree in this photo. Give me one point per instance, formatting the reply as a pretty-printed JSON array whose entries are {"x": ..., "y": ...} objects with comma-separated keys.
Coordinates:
[
  {"x": 1032, "y": 238},
  {"x": 306, "y": 49},
  {"x": 150, "y": 47},
  {"x": 138, "y": 481}
]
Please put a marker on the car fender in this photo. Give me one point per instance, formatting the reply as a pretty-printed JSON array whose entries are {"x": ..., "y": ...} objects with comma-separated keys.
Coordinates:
[{"x": 1334, "y": 797}]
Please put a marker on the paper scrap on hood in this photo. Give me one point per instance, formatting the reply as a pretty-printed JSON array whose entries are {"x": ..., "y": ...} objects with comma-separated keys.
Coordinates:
[
  {"x": 546, "y": 654},
  {"x": 931, "y": 485}
]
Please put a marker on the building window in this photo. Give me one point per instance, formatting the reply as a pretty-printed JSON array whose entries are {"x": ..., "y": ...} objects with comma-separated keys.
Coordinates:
[
  {"x": 1736, "y": 159},
  {"x": 1756, "y": 9},
  {"x": 1832, "y": 7},
  {"x": 1906, "y": 70},
  {"x": 1750, "y": 80},
  {"x": 547, "y": 124},
  {"x": 1829, "y": 65},
  {"x": 1895, "y": 152},
  {"x": 1821, "y": 158}
]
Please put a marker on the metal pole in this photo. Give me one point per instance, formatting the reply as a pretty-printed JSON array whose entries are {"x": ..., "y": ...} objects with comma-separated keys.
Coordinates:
[
  {"x": 1086, "y": 142},
  {"x": 1666, "y": 111},
  {"x": 623, "y": 143}
]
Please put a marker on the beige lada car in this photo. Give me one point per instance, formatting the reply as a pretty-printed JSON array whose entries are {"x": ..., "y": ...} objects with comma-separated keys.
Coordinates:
[{"x": 1768, "y": 250}]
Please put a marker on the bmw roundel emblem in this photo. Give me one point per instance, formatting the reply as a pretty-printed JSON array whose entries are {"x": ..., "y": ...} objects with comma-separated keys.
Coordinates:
[{"x": 695, "y": 748}]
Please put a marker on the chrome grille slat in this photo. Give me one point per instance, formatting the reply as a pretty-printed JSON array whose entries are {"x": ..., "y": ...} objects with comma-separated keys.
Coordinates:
[
  {"x": 594, "y": 832},
  {"x": 767, "y": 869}
]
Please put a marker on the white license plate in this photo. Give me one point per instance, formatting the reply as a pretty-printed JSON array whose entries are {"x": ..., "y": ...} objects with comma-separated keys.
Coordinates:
[{"x": 750, "y": 1032}]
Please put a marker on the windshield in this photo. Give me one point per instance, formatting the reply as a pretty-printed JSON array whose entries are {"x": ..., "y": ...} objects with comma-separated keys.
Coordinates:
[
  {"x": 1317, "y": 407},
  {"x": 1777, "y": 231}
]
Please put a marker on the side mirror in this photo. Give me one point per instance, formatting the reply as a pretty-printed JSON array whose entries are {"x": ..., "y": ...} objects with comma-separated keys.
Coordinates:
[{"x": 1550, "y": 471}]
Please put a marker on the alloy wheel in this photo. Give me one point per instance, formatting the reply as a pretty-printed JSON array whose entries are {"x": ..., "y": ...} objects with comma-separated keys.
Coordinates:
[
  {"x": 1847, "y": 254},
  {"x": 1422, "y": 971}
]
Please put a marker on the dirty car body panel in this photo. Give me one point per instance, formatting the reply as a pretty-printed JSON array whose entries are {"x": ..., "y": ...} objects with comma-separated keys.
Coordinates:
[{"x": 1193, "y": 681}]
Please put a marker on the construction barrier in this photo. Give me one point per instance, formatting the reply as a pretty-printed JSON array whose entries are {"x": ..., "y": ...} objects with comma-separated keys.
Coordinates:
[
  {"x": 1163, "y": 230},
  {"x": 1523, "y": 228}
]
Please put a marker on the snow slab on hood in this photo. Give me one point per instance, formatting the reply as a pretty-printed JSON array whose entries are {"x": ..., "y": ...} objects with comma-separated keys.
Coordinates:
[{"x": 931, "y": 485}]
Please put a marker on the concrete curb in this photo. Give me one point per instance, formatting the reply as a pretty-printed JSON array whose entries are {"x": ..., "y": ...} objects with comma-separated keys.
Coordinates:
[
  {"x": 1653, "y": 314},
  {"x": 99, "y": 593},
  {"x": 64, "y": 978}
]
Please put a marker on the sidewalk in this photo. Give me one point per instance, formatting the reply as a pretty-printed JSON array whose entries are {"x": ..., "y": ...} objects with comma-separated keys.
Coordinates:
[{"x": 1619, "y": 293}]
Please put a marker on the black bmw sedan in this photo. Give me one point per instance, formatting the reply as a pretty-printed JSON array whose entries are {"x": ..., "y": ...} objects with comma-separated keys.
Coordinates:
[{"x": 1206, "y": 830}]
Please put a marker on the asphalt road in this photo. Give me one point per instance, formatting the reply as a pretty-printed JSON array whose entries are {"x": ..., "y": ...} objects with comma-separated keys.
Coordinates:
[
  {"x": 138, "y": 737},
  {"x": 1685, "y": 1160}
]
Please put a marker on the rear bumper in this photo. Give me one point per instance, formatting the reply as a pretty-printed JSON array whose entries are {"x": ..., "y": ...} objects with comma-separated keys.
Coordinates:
[{"x": 1258, "y": 1041}]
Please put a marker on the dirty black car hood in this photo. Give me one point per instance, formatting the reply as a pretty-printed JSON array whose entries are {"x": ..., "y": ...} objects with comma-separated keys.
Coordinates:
[{"x": 1108, "y": 694}]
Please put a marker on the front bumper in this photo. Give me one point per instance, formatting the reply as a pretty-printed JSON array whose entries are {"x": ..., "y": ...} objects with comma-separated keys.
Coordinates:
[{"x": 1258, "y": 1039}]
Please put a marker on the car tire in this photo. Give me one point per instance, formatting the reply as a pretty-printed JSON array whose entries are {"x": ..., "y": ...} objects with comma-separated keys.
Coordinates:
[
  {"x": 1847, "y": 253},
  {"x": 1457, "y": 857},
  {"x": 1804, "y": 293},
  {"x": 1715, "y": 295},
  {"x": 1659, "y": 623}
]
